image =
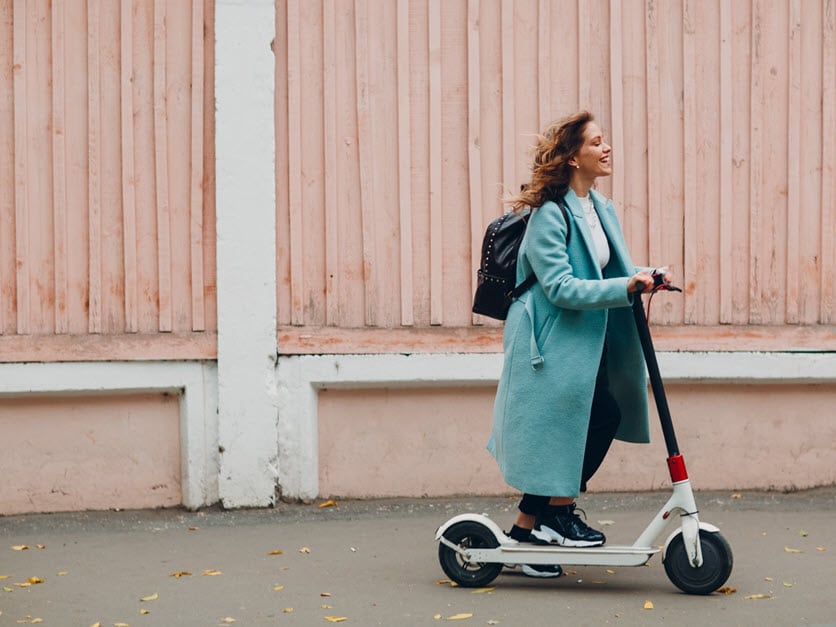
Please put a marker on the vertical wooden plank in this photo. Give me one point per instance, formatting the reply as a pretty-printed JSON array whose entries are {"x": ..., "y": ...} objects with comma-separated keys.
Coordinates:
[
  {"x": 161, "y": 168},
  {"x": 654, "y": 164},
  {"x": 59, "y": 168},
  {"x": 94, "y": 150},
  {"x": 474, "y": 153},
  {"x": 294, "y": 141},
  {"x": 756, "y": 167},
  {"x": 691, "y": 269},
  {"x": 21, "y": 133},
  {"x": 794, "y": 165},
  {"x": 508, "y": 96},
  {"x": 196, "y": 168},
  {"x": 405, "y": 165},
  {"x": 332, "y": 231},
  {"x": 726, "y": 166},
  {"x": 544, "y": 56},
  {"x": 367, "y": 162},
  {"x": 617, "y": 104},
  {"x": 436, "y": 159},
  {"x": 827, "y": 272},
  {"x": 129, "y": 231},
  {"x": 586, "y": 22}
]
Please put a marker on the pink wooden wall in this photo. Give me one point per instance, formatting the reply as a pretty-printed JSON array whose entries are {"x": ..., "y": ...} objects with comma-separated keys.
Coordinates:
[
  {"x": 401, "y": 122},
  {"x": 107, "y": 178}
]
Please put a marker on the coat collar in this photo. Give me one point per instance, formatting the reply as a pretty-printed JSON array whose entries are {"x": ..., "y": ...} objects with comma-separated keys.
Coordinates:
[{"x": 605, "y": 215}]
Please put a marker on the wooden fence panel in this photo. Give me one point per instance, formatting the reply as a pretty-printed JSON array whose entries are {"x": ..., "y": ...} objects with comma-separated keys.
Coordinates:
[
  {"x": 107, "y": 208},
  {"x": 401, "y": 125}
]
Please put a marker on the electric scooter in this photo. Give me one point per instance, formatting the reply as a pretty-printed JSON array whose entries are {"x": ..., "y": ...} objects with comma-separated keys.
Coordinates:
[{"x": 473, "y": 549}]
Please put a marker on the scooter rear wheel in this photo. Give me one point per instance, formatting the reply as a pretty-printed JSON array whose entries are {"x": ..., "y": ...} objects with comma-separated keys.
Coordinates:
[
  {"x": 716, "y": 564},
  {"x": 468, "y": 535}
]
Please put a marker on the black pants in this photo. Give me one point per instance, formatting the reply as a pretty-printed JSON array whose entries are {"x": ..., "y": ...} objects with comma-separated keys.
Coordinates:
[{"x": 604, "y": 419}]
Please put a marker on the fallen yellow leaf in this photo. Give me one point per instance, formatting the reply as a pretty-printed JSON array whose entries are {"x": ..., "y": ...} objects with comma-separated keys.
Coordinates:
[
  {"x": 34, "y": 580},
  {"x": 96, "y": 624},
  {"x": 275, "y": 552},
  {"x": 459, "y": 617},
  {"x": 326, "y": 607},
  {"x": 277, "y": 588},
  {"x": 737, "y": 495},
  {"x": 304, "y": 549},
  {"x": 436, "y": 616},
  {"x": 727, "y": 590},
  {"x": 648, "y": 605},
  {"x": 121, "y": 625},
  {"x": 325, "y": 594},
  {"x": 820, "y": 548},
  {"x": 482, "y": 590},
  {"x": 328, "y": 503},
  {"x": 787, "y": 584},
  {"x": 7, "y": 589},
  {"x": 335, "y": 619},
  {"x": 152, "y": 597},
  {"x": 768, "y": 579},
  {"x": 41, "y": 546},
  {"x": 181, "y": 573},
  {"x": 143, "y": 611},
  {"x": 211, "y": 573},
  {"x": 5, "y": 576},
  {"x": 229, "y": 620},
  {"x": 789, "y": 550},
  {"x": 287, "y": 610},
  {"x": 20, "y": 547},
  {"x": 23, "y": 585},
  {"x": 758, "y": 596},
  {"x": 61, "y": 573},
  {"x": 610, "y": 571}
]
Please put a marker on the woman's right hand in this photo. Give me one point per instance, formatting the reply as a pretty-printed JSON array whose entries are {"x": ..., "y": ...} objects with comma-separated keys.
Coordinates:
[{"x": 640, "y": 282}]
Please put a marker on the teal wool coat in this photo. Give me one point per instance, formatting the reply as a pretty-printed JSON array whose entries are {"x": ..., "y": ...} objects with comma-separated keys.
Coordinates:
[{"x": 553, "y": 340}]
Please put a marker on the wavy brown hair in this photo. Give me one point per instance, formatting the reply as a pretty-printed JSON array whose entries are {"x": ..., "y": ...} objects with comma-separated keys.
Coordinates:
[{"x": 550, "y": 171}]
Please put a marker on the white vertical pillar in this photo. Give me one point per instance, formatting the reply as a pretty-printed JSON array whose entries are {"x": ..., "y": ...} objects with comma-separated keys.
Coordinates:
[{"x": 246, "y": 251}]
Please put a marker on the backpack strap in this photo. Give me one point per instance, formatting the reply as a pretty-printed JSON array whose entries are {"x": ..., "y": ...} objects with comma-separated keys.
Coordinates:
[{"x": 531, "y": 279}]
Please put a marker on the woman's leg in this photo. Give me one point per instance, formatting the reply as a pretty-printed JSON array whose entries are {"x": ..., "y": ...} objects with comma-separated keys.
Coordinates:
[{"x": 603, "y": 423}]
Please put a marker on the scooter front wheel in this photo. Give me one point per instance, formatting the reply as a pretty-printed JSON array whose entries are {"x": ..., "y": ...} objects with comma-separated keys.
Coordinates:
[
  {"x": 716, "y": 563},
  {"x": 468, "y": 535}
]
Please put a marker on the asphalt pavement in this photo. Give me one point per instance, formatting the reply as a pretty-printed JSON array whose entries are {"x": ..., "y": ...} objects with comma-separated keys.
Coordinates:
[{"x": 376, "y": 563}]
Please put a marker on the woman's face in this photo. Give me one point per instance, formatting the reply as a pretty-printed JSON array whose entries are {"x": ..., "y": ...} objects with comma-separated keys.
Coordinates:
[{"x": 594, "y": 157}]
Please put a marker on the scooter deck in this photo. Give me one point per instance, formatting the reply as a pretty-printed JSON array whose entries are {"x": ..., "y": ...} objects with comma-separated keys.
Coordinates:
[{"x": 613, "y": 555}]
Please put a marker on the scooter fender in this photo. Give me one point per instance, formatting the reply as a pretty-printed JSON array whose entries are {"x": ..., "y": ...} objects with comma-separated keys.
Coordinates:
[
  {"x": 690, "y": 537},
  {"x": 482, "y": 519}
]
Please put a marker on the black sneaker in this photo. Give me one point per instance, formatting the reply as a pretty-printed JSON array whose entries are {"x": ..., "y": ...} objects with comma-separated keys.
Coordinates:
[
  {"x": 543, "y": 571},
  {"x": 561, "y": 525}
]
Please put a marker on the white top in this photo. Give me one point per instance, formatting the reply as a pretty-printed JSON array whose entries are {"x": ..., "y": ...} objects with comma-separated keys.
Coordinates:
[{"x": 602, "y": 246}]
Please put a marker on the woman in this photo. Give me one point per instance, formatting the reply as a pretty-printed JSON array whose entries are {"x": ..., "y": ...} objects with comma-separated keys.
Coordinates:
[{"x": 573, "y": 377}]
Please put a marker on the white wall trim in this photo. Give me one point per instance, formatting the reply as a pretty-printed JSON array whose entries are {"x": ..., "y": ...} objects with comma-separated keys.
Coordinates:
[
  {"x": 246, "y": 250},
  {"x": 301, "y": 378},
  {"x": 193, "y": 382}
]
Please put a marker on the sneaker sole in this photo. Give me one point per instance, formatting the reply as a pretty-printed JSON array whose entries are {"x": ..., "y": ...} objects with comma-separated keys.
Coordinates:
[
  {"x": 530, "y": 572},
  {"x": 549, "y": 535}
]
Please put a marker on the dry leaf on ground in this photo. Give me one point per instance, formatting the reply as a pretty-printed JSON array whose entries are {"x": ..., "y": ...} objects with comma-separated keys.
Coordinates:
[
  {"x": 151, "y": 597},
  {"x": 462, "y": 616},
  {"x": 757, "y": 596},
  {"x": 335, "y": 619},
  {"x": 648, "y": 605},
  {"x": 328, "y": 503}
]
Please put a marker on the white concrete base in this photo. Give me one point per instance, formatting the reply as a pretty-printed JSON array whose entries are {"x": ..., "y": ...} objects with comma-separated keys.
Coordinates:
[
  {"x": 302, "y": 377},
  {"x": 194, "y": 382}
]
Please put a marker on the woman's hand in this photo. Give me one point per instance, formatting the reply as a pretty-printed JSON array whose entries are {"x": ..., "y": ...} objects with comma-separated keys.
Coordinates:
[{"x": 640, "y": 282}]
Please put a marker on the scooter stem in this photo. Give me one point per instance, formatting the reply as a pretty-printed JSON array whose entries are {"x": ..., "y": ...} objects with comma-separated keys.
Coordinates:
[{"x": 655, "y": 376}]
